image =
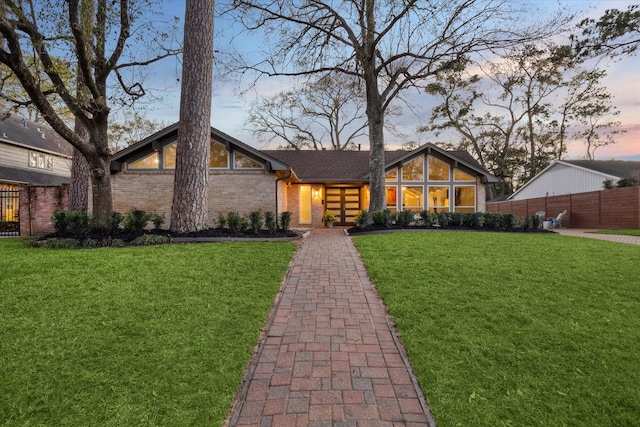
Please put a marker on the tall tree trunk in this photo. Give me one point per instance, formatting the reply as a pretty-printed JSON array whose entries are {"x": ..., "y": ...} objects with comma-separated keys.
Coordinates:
[
  {"x": 99, "y": 171},
  {"x": 189, "y": 211},
  {"x": 375, "y": 115},
  {"x": 79, "y": 189}
]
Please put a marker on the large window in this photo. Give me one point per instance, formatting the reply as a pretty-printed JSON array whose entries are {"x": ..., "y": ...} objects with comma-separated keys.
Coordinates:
[
  {"x": 219, "y": 156},
  {"x": 243, "y": 162},
  {"x": 304, "y": 192},
  {"x": 392, "y": 197},
  {"x": 412, "y": 198},
  {"x": 169, "y": 154},
  {"x": 465, "y": 198},
  {"x": 413, "y": 170},
  {"x": 149, "y": 161},
  {"x": 438, "y": 170},
  {"x": 391, "y": 175},
  {"x": 458, "y": 175},
  {"x": 438, "y": 200}
]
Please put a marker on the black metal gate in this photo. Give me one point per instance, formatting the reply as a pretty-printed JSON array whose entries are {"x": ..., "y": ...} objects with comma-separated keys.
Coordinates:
[{"x": 9, "y": 213}]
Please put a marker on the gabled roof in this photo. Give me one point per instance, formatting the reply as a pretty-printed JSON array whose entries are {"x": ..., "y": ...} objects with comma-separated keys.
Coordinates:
[
  {"x": 344, "y": 166},
  {"x": 608, "y": 169},
  {"x": 618, "y": 168},
  {"x": 18, "y": 131},
  {"x": 170, "y": 133}
]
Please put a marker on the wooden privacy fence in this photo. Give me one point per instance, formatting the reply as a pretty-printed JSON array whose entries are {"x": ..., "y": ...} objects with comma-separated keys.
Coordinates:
[{"x": 618, "y": 208}]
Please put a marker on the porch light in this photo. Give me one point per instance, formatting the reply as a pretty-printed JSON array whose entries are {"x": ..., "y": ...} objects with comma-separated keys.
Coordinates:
[{"x": 316, "y": 194}]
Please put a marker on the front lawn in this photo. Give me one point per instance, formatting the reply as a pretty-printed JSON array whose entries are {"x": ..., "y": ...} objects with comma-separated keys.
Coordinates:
[
  {"x": 507, "y": 329},
  {"x": 149, "y": 336}
]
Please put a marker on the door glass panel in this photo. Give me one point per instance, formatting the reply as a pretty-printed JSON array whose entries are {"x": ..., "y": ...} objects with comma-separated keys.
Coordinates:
[{"x": 305, "y": 204}]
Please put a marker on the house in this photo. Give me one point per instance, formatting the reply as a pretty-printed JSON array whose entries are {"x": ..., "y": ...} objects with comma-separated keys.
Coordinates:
[
  {"x": 303, "y": 182},
  {"x": 32, "y": 154},
  {"x": 576, "y": 176}
]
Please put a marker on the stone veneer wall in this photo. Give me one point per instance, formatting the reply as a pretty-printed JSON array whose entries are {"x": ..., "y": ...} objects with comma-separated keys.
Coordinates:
[{"x": 152, "y": 191}]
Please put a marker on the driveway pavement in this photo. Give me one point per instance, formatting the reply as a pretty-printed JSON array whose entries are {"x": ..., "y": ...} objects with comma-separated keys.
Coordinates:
[
  {"x": 330, "y": 357},
  {"x": 632, "y": 240}
]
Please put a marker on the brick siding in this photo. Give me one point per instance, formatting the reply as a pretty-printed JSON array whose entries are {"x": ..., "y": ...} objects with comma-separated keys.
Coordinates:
[
  {"x": 242, "y": 191},
  {"x": 37, "y": 205}
]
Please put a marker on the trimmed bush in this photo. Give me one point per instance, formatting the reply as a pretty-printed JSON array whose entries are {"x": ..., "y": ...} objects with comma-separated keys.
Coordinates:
[
  {"x": 233, "y": 220},
  {"x": 222, "y": 221},
  {"x": 384, "y": 217},
  {"x": 362, "y": 218},
  {"x": 285, "y": 220},
  {"x": 255, "y": 221},
  {"x": 135, "y": 221},
  {"x": 71, "y": 223},
  {"x": 404, "y": 218},
  {"x": 270, "y": 222}
]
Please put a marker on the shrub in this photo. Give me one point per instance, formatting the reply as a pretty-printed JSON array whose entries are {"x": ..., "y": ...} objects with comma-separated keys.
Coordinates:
[
  {"x": 627, "y": 182},
  {"x": 456, "y": 218},
  {"x": 9, "y": 225},
  {"x": 157, "y": 220},
  {"x": 428, "y": 218},
  {"x": 73, "y": 223},
  {"x": 384, "y": 217},
  {"x": 404, "y": 218},
  {"x": 255, "y": 221},
  {"x": 362, "y": 218},
  {"x": 527, "y": 223},
  {"x": 114, "y": 221},
  {"x": 59, "y": 243},
  {"x": 536, "y": 221},
  {"x": 222, "y": 221},
  {"x": 285, "y": 220},
  {"x": 443, "y": 219},
  {"x": 135, "y": 221},
  {"x": 150, "y": 239},
  {"x": 508, "y": 220},
  {"x": 233, "y": 220},
  {"x": 244, "y": 225},
  {"x": 270, "y": 222},
  {"x": 491, "y": 220}
]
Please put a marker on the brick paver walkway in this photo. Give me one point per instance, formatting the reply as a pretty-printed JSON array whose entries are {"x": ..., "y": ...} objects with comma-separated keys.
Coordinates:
[{"x": 329, "y": 357}]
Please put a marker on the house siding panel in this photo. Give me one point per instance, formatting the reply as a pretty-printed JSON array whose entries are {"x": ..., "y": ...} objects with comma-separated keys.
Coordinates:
[
  {"x": 14, "y": 156},
  {"x": 561, "y": 179}
]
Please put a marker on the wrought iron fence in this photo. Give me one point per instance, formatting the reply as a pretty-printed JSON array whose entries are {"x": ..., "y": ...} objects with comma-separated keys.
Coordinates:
[{"x": 9, "y": 213}]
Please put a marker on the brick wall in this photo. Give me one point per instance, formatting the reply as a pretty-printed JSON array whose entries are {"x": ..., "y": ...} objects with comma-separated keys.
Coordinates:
[
  {"x": 618, "y": 208},
  {"x": 242, "y": 191},
  {"x": 37, "y": 205}
]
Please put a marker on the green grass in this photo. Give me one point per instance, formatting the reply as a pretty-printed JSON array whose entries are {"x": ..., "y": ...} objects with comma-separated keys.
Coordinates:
[
  {"x": 508, "y": 329},
  {"x": 635, "y": 232},
  {"x": 152, "y": 336}
]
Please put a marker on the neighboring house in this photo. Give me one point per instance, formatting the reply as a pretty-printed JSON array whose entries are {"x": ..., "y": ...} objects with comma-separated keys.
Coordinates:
[
  {"x": 303, "y": 182},
  {"x": 576, "y": 176},
  {"x": 30, "y": 153}
]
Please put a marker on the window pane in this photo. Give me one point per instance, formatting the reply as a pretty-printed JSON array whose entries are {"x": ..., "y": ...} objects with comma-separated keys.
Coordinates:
[
  {"x": 412, "y": 199},
  {"x": 438, "y": 170},
  {"x": 392, "y": 197},
  {"x": 465, "y": 198},
  {"x": 219, "y": 155},
  {"x": 243, "y": 162},
  {"x": 170, "y": 156},
  {"x": 305, "y": 204},
  {"x": 458, "y": 175},
  {"x": 413, "y": 170},
  {"x": 148, "y": 162},
  {"x": 438, "y": 200},
  {"x": 392, "y": 175}
]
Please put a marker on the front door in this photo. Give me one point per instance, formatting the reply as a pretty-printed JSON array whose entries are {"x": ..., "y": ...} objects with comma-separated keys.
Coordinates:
[{"x": 344, "y": 202}]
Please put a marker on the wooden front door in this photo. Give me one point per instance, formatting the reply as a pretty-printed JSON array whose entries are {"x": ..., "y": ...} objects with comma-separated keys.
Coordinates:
[{"x": 344, "y": 202}]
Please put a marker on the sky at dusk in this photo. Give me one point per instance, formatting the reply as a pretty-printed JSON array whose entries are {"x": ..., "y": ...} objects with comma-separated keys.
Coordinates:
[{"x": 229, "y": 109}]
